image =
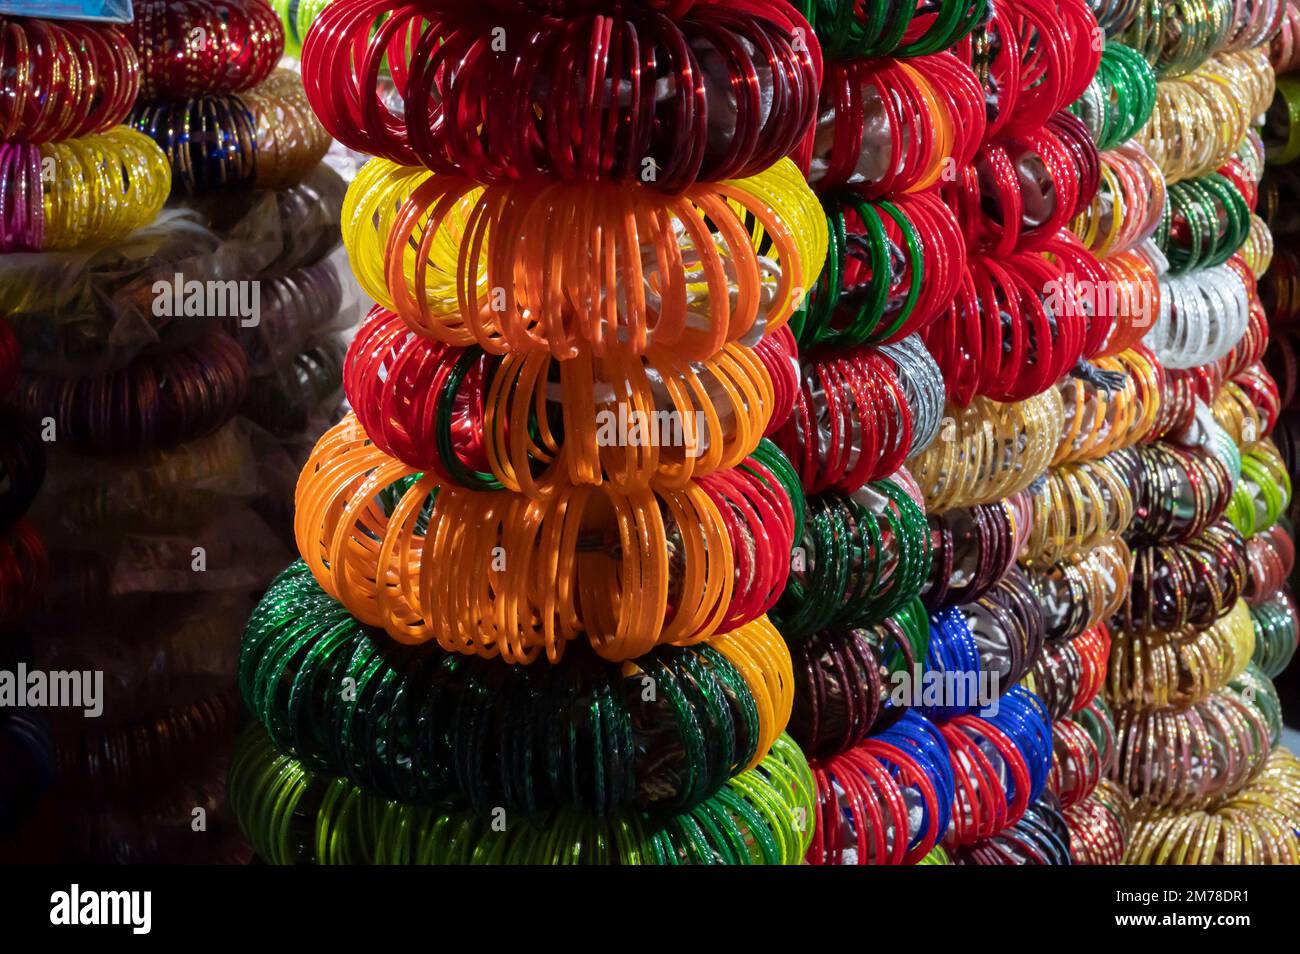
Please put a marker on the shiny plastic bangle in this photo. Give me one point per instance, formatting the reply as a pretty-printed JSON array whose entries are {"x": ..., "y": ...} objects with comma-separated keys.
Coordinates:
[
  {"x": 843, "y": 680},
  {"x": 157, "y": 401},
  {"x": 663, "y": 733},
  {"x": 1008, "y": 628},
  {"x": 22, "y": 463},
  {"x": 1192, "y": 583},
  {"x": 1000, "y": 766},
  {"x": 723, "y": 93},
  {"x": 1071, "y": 672},
  {"x": 1255, "y": 826},
  {"x": 466, "y": 264},
  {"x": 1179, "y": 668},
  {"x": 529, "y": 423},
  {"x": 61, "y": 79},
  {"x": 1262, "y": 494},
  {"x": 887, "y": 800},
  {"x": 265, "y": 137},
  {"x": 989, "y": 451},
  {"x": 1100, "y": 825},
  {"x": 1271, "y": 555},
  {"x": 862, "y": 296},
  {"x": 1206, "y": 221},
  {"x": 519, "y": 576},
  {"x": 1283, "y": 48},
  {"x": 293, "y": 816},
  {"x": 1198, "y": 756},
  {"x": 1178, "y": 492},
  {"x": 971, "y": 550},
  {"x": 1081, "y": 591},
  {"x": 890, "y": 127},
  {"x": 24, "y": 570},
  {"x": 1129, "y": 203},
  {"x": 1277, "y": 630},
  {"x": 862, "y": 558},
  {"x": 1121, "y": 97},
  {"x": 1077, "y": 507},
  {"x": 1203, "y": 315},
  {"x": 200, "y": 47},
  {"x": 1101, "y": 419}
]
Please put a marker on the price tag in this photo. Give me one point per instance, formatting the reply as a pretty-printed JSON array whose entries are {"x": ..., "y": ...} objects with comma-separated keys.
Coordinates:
[{"x": 114, "y": 11}]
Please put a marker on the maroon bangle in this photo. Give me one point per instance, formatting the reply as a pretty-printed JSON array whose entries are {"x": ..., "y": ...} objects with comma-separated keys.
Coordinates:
[{"x": 24, "y": 569}]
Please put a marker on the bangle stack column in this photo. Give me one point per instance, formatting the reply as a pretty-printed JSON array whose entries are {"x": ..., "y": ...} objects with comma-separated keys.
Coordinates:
[{"x": 529, "y": 623}]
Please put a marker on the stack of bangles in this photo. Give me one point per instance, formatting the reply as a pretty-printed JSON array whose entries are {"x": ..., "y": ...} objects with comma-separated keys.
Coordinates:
[
  {"x": 910, "y": 28},
  {"x": 1254, "y": 826},
  {"x": 62, "y": 80},
  {"x": 1262, "y": 494},
  {"x": 862, "y": 558},
  {"x": 94, "y": 189},
  {"x": 1101, "y": 419},
  {"x": 1100, "y": 825},
  {"x": 1040, "y": 837},
  {"x": 295, "y": 816},
  {"x": 470, "y": 264},
  {"x": 200, "y": 47},
  {"x": 1128, "y": 206},
  {"x": 1082, "y": 591},
  {"x": 1178, "y": 492},
  {"x": 579, "y": 734},
  {"x": 1202, "y": 315},
  {"x": 693, "y": 110},
  {"x": 1120, "y": 99},
  {"x": 1194, "y": 757},
  {"x": 1201, "y": 118},
  {"x": 973, "y": 547},
  {"x": 157, "y": 401},
  {"x": 1191, "y": 583},
  {"x": 1277, "y": 630},
  {"x": 989, "y": 451},
  {"x": 1206, "y": 221},
  {"x": 1083, "y": 751},
  {"x": 1271, "y": 554},
  {"x": 265, "y": 137},
  {"x": 519, "y": 575},
  {"x": 864, "y": 295},
  {"x": 449, "y": 410},
  {"x": 842, "y": 679},
  {"x": 860, "y": 413},
  {"x": 1174, "y": 669},
  {"x": 1071, "y": 672},
  {"x": 1077, "y": 505}
]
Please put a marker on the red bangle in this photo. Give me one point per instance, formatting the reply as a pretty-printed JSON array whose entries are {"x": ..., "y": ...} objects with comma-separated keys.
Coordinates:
[
  {"x": 63, "y": 80},
  {"x": 689, "y": 107},
  {"x": 203, "y": 47},
  {"x": 24, "y": 568}
]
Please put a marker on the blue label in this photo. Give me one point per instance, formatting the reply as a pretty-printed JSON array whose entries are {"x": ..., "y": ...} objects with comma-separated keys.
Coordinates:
[{"x": 117, "y": 11}]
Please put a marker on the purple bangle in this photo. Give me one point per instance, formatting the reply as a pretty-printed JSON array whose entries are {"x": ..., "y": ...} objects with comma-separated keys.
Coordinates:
[{"x": 22, "y": 210}]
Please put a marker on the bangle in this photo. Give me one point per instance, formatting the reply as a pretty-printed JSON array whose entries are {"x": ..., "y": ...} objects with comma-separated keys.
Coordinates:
[
  {"x": 1177, "y": 491},
  {"x": 1077, "y": 506},
  {"x": 1179, "y": 668},
  {"x": 1000, "y": 766},
  {"x": 852, "y": 303},
  {"x": 989, "y": 451},
  {"x": 265, "y": 138},
  {"x": 1276, "y": 633},
  {"x": 1100, "y": 825},
  {"x": 289, "y": 400},
  {"x": 1071, "y": 672},
  {"x": 890, "y": 127},
  {"x": 24, "y": 571},
  {"x": 886, "y": 801},
  {"x": 1040, "y": 837},
  {"x": 131, "y": 757},
  {"x": 294, "y": 816},
  {"x": 1206, "y": 221},
  {"x": 1255, "y": 826},
  {"x": 1100, "y": 420},
  {"x": 448, "y": 243},
  {"x": 915, "y": 29},
  {"x": 843, "y": 679},
  {"x": 486, "y": 422},
  {"x": 488, "y": 733},
  {"x": 10, "y": 358},
  {"x": 1262, "y": 494},
  {"x": 1128, "y": 206},
  {"x": 101, "y": 188},
  {"x": 1283, "y": 50},
  {"x": 296, "y": 17},
  {"x": 861, "y": 559},
  {"x": 1008, "y": 627},
  {"x": 972, "y": 549},
  {"x": 1082, "y": 591},
  {"x": 22, "y": 464},
  {"x": 1076, "y": 763},
  {"x": 1120, "y": 98},
  {"x": 62, "y": 80},
  {"x": 582, "y": 561},
  {"x": 1203, "y": 314},
  {"x": 1191, "y": 583},
  {"x": 693, "y": 107},
  {"x": 1271, "y": 558},
  {"x": 158, "y": 401},
  {"x": 295, "y": 310},
  {"x": 199, "y": 47}
]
